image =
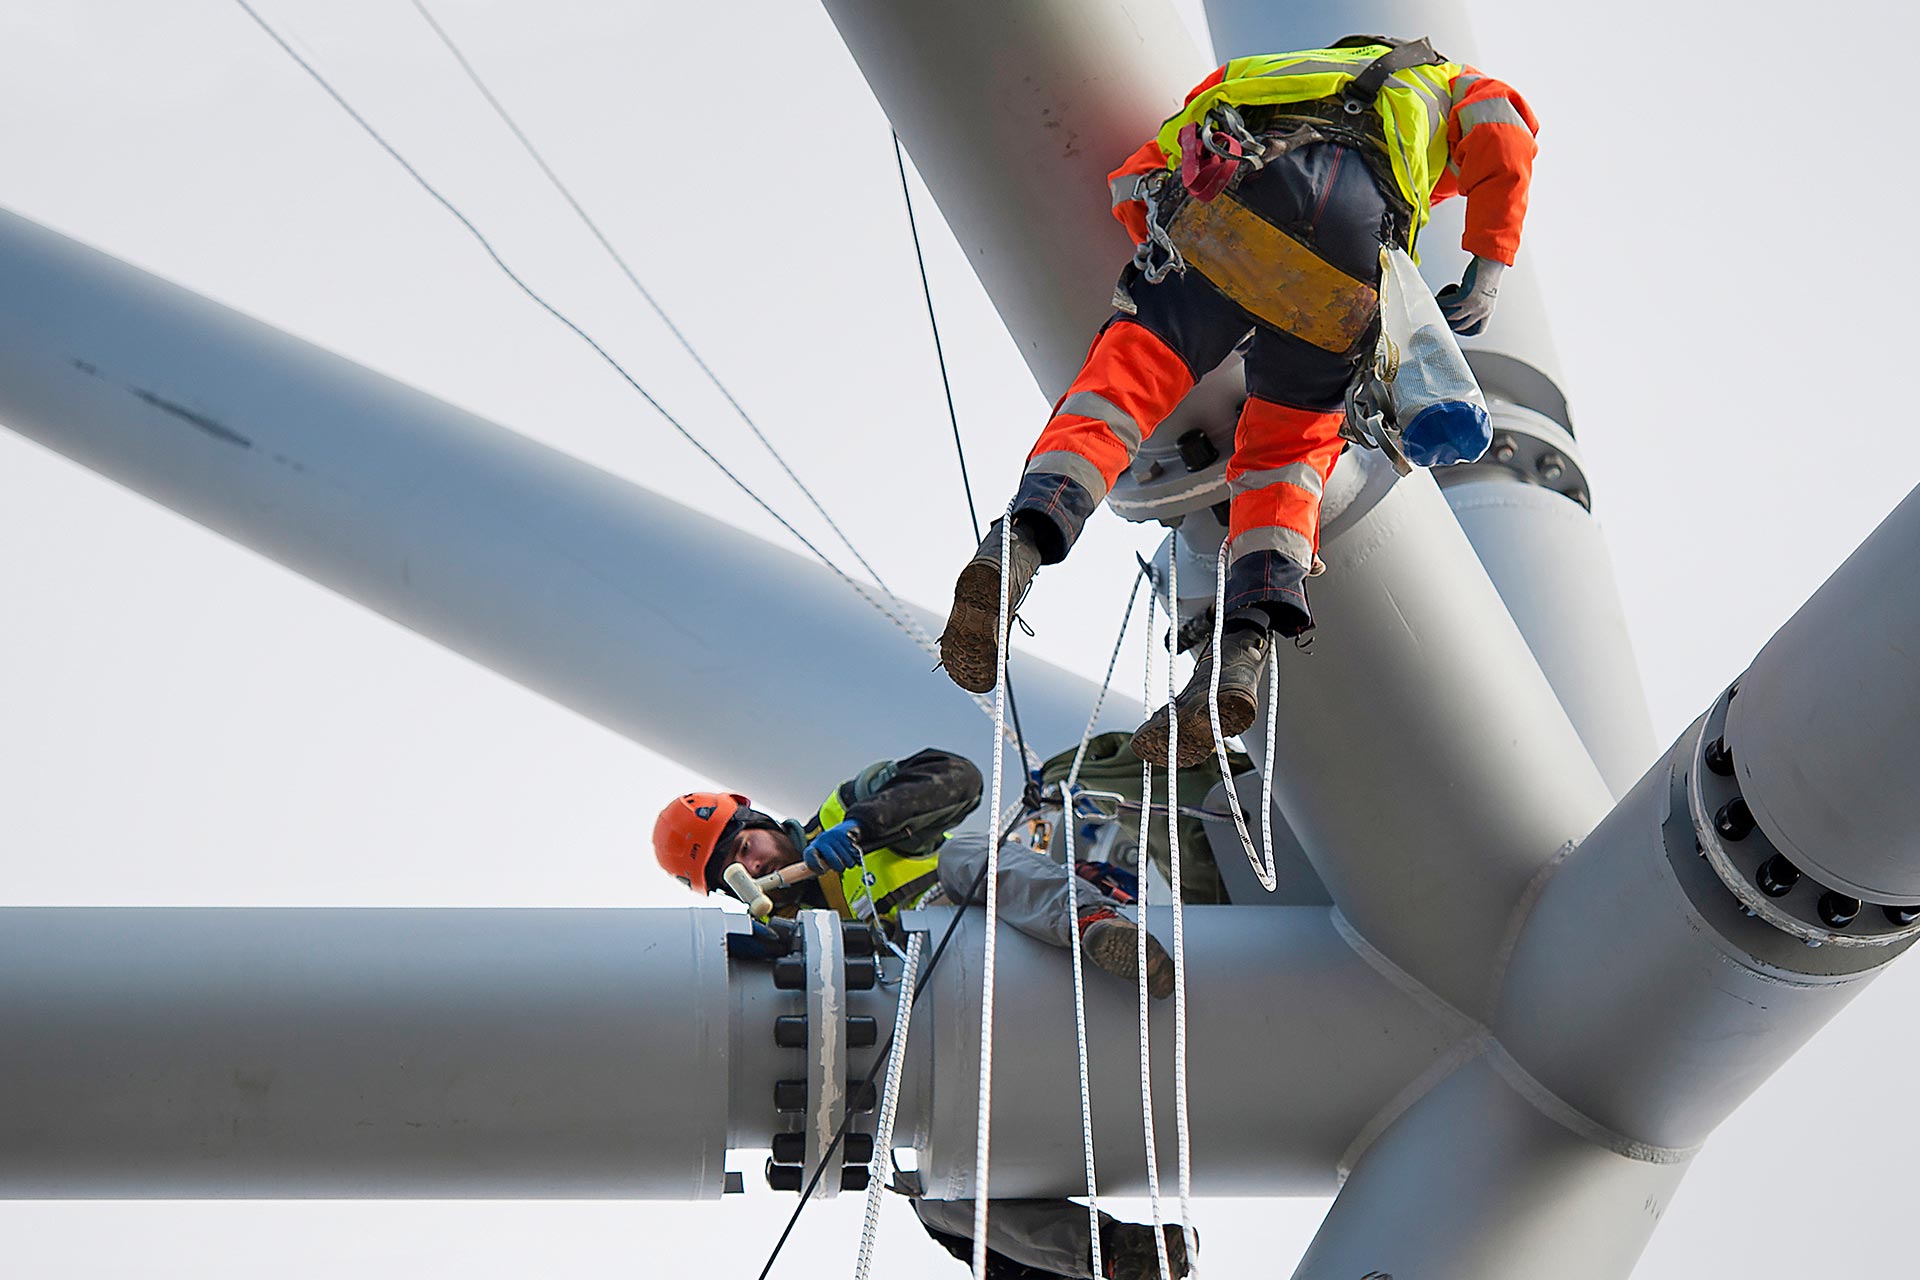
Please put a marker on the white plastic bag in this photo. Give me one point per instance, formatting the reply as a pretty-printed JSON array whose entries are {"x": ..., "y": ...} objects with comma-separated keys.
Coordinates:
[{"x": 1436, "y": 406}]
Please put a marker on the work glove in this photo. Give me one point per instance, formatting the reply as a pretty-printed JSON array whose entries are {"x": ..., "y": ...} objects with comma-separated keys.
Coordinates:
[
  {"x": 769, "y": 940},
  {"x": 1468, "y": 306},
  {"x": 835, "y": 849}
]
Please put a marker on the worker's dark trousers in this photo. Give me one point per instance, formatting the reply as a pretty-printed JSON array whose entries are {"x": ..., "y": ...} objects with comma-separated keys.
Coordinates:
[
  {"x": 1287, "y": 440},
  {"x": 1026, "y": 1239}
]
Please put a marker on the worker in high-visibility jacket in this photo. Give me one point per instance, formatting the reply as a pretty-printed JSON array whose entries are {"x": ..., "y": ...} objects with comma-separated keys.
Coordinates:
[
  {"x": 880, "y": 844},
  {"x": 1261, "y": 209}
]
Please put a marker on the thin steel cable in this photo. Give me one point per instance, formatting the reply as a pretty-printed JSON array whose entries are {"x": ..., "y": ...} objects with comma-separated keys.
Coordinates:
[
  {"x": 1146, "y": 1056},
  {"x": 905, "y": 624},
  {"x": 933, "y": 322},
  {"x": 1030, "y": 760},
  {"x": 881, "y": 1171},
  {"x": 984, "y": 1116},
  {"x": 1268, "y": 876},
  {"x": 646, "y": 295},
  {"x": 1180, "y": 1121}
]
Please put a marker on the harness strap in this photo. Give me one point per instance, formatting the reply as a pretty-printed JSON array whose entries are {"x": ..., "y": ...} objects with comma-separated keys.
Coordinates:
[{"x": 1366, "y": 86}]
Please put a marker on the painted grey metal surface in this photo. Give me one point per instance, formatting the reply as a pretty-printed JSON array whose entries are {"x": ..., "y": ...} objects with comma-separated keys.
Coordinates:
[
  {"x": 1643, "y": 996},
  {"x": 1422, "y": 759},
  {"x": 1547, "y": 559},
  {"x": 532, "y": 563},
  {"x": 201, "y": 1053},
  {"x": 1473, "y": 1182},
  {"x": 1296, "y": 1043},
  {"x": 1826, "y": 728},
  {"x": 1015, "y": 125}
]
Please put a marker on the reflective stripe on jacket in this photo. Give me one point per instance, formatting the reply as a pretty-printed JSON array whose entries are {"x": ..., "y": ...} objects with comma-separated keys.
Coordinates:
[
  {"x": 884, "y": 881},
  {"x": 1446, "y": 129}
]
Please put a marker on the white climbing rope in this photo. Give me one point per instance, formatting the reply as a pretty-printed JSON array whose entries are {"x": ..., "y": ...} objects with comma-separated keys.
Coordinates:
[
  {"x": 1264, "y": 870},
  {"x": 1180, "y": 1123},
  {"x": 1067, "y": 825},
  {"x": 1140, "y": 935},
  {"x": 983, "y": 1121},
  {"x": 881, "y": 1171}
]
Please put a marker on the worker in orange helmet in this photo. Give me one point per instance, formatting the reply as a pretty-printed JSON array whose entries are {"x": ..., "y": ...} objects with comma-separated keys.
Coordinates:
[
  {"x": 880, "y": 844},
  {"x": 1259, "y": 213}
]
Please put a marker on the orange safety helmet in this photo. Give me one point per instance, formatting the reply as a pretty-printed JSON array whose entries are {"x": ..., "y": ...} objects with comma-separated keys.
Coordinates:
[{"x": 688, "y": 831}]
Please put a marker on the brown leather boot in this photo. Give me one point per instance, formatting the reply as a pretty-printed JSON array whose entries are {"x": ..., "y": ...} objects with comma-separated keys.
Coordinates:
[
  {"x": 1131, "y": 1255},
  {"x": 1112, "y": 942},
  {"x": 969, "y": 645},
  {"x": 1245, "y": 650}
]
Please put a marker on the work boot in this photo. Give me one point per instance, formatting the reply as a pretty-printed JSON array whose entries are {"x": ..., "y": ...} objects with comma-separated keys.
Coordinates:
[
  {"x": 1244, "y": 652},
  {"x": 1127, "y": 1249},
  {"x": 1112, "y": 942},
  {"x": 969, "y": 645}
]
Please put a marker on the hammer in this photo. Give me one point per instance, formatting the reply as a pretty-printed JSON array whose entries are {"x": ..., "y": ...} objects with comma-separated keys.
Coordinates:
[{"x": 754, "y": 892}]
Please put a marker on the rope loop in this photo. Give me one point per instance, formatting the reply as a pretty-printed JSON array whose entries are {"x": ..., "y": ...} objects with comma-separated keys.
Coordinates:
[{"x": 1264, "y": 869}]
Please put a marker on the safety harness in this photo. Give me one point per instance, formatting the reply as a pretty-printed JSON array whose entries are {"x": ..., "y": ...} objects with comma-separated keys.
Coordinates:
[{"x": 1217, "y": 153}]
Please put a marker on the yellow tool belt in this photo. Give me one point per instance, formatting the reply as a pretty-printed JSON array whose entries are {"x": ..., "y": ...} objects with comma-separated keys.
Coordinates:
[{"x": 1281, "y": 281}]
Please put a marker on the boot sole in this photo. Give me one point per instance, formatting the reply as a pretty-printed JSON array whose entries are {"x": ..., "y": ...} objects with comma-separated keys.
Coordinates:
[
  {"x": 1115, "y": 949},
  {"x": 1237, "y": 711},
  {"x": 970, "y": 646}
]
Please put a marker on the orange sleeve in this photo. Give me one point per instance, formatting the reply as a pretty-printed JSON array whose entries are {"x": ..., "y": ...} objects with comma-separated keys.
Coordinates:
[
  {"x": 1490, "y": 152},
  {"x": 1131, "y": 213}
]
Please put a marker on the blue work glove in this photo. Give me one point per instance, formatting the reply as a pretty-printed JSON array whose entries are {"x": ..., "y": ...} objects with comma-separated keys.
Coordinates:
[
  {"x": 835, "y": 849},
  {"x": 1468, "y": 306}
]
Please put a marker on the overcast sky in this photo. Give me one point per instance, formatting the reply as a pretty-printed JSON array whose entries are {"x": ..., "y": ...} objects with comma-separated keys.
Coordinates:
[{"x": 1719, "y": 228}]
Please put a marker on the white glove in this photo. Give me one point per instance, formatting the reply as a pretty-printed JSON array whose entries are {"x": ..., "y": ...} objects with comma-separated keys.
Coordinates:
[{"x": 1468, "y": 306}]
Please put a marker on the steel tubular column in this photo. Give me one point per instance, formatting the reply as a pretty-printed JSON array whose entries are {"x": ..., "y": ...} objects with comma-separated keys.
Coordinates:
[
  {"x": 398, "y": 1054},
  {"x": 1657, "y": 980},
  {"x": 1295, "y": 1044},
  {"x": 1423, "y": 760},
  {"x": 1826, "y": 731},
  {"x": 545, "y": 569},
  {"x": 1014, "y": 112}
]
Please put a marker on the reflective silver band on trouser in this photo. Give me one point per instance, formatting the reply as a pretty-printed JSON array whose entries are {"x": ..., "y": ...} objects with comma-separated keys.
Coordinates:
[
  {"x": 1064, "y": 462},
  {"x": 1091, "y": 404},
  {"x": 1300, "y": 475},
  {"x": 1125, "y": 188},
  {"x": 1291, "y": 543}
]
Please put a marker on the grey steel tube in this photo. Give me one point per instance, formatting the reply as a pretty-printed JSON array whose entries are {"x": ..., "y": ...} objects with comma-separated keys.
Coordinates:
[
  {"x": 1423, "y": 760},
  {"x": 1547, "y": 559},
  {"x": 1643, "y": 996},
  {"x": 1474, "y": 1183},
  {"x": 1015, "y": 124},
  {"x": 396, "y": 1054},
  {"x": 1296, "y": 1042},
  {"x": 1014, "y": 112},
  {"x": 524, "y": 1054},
  {"x": 551, "y": 572},
  {"x": 1825, "y": 731}
]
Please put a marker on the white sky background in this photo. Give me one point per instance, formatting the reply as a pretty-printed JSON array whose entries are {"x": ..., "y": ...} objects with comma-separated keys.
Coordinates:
[{"x": 182, "y": 722}]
